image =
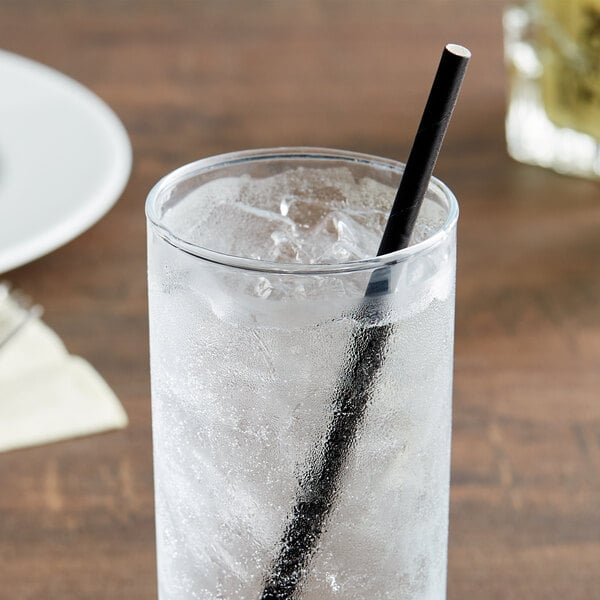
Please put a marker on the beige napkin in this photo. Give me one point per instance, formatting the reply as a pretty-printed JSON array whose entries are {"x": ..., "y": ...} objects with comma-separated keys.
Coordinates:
[{"x": 46, "y": 394}]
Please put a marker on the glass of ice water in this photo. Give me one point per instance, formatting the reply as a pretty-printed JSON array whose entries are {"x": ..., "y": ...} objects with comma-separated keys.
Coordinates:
[{"x": 258, "y": 266}]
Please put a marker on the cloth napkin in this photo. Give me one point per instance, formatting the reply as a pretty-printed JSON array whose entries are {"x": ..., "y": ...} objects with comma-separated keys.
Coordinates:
[{"x": 46, "y": 394}]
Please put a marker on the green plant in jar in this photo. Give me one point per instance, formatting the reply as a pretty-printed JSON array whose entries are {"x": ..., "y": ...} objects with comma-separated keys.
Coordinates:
[{"x": 569, "y": 43}]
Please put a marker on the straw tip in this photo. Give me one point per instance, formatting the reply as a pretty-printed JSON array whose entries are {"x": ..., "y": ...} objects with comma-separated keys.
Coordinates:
[{"x": 458, "y": 50}]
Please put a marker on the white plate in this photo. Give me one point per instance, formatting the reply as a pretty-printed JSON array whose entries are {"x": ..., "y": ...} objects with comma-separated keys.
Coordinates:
[{"x": 64, "y": 159}]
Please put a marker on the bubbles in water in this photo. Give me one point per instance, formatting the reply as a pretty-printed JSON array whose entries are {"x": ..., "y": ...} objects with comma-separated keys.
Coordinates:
[{"x": 263, "y": 287}]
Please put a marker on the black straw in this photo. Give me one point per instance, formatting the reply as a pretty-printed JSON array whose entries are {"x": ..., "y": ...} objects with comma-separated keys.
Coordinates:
[{"x": 367, "y": 346}]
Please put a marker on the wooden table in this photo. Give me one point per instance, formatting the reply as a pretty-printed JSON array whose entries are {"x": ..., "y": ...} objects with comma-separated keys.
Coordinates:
[{"x": 190, "y": 79}]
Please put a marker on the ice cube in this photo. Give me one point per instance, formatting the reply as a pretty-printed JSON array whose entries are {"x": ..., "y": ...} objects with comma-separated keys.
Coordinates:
[{"x": 302, "y": 216}]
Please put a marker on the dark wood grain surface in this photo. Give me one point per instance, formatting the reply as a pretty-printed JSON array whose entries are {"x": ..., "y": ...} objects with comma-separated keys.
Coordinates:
[{"x": 190, "y": 79}]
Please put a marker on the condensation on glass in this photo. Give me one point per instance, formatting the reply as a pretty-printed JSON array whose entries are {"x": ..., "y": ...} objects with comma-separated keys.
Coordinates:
[{"x": 242, "y": 388}]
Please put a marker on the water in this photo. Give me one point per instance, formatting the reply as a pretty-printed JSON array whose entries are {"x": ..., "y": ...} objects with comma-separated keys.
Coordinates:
[
  {"x": 242, "y": 382},
  {"x": 308, "y": 216}
]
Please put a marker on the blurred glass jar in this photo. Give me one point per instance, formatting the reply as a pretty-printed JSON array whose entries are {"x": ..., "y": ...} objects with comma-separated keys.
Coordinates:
[{"x": 552, "y": 52}]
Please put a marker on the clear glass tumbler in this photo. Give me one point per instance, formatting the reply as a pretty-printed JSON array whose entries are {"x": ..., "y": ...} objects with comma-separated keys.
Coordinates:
[{"x": 248, "y": 358}]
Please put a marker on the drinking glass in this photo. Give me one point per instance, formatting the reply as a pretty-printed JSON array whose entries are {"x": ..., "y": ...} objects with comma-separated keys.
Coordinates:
[{"x": 247, "y": 358}]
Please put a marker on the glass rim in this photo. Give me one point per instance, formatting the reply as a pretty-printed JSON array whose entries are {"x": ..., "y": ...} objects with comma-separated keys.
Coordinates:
[{"x": 296, "y": 153}]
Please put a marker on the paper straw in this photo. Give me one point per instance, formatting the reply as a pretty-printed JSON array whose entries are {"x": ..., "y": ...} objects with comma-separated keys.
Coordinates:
[{"x": 367, "y": 346}]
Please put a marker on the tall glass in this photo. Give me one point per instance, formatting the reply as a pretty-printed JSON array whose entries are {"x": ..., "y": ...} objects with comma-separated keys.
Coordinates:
[{"x": 247, "y": 356}]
